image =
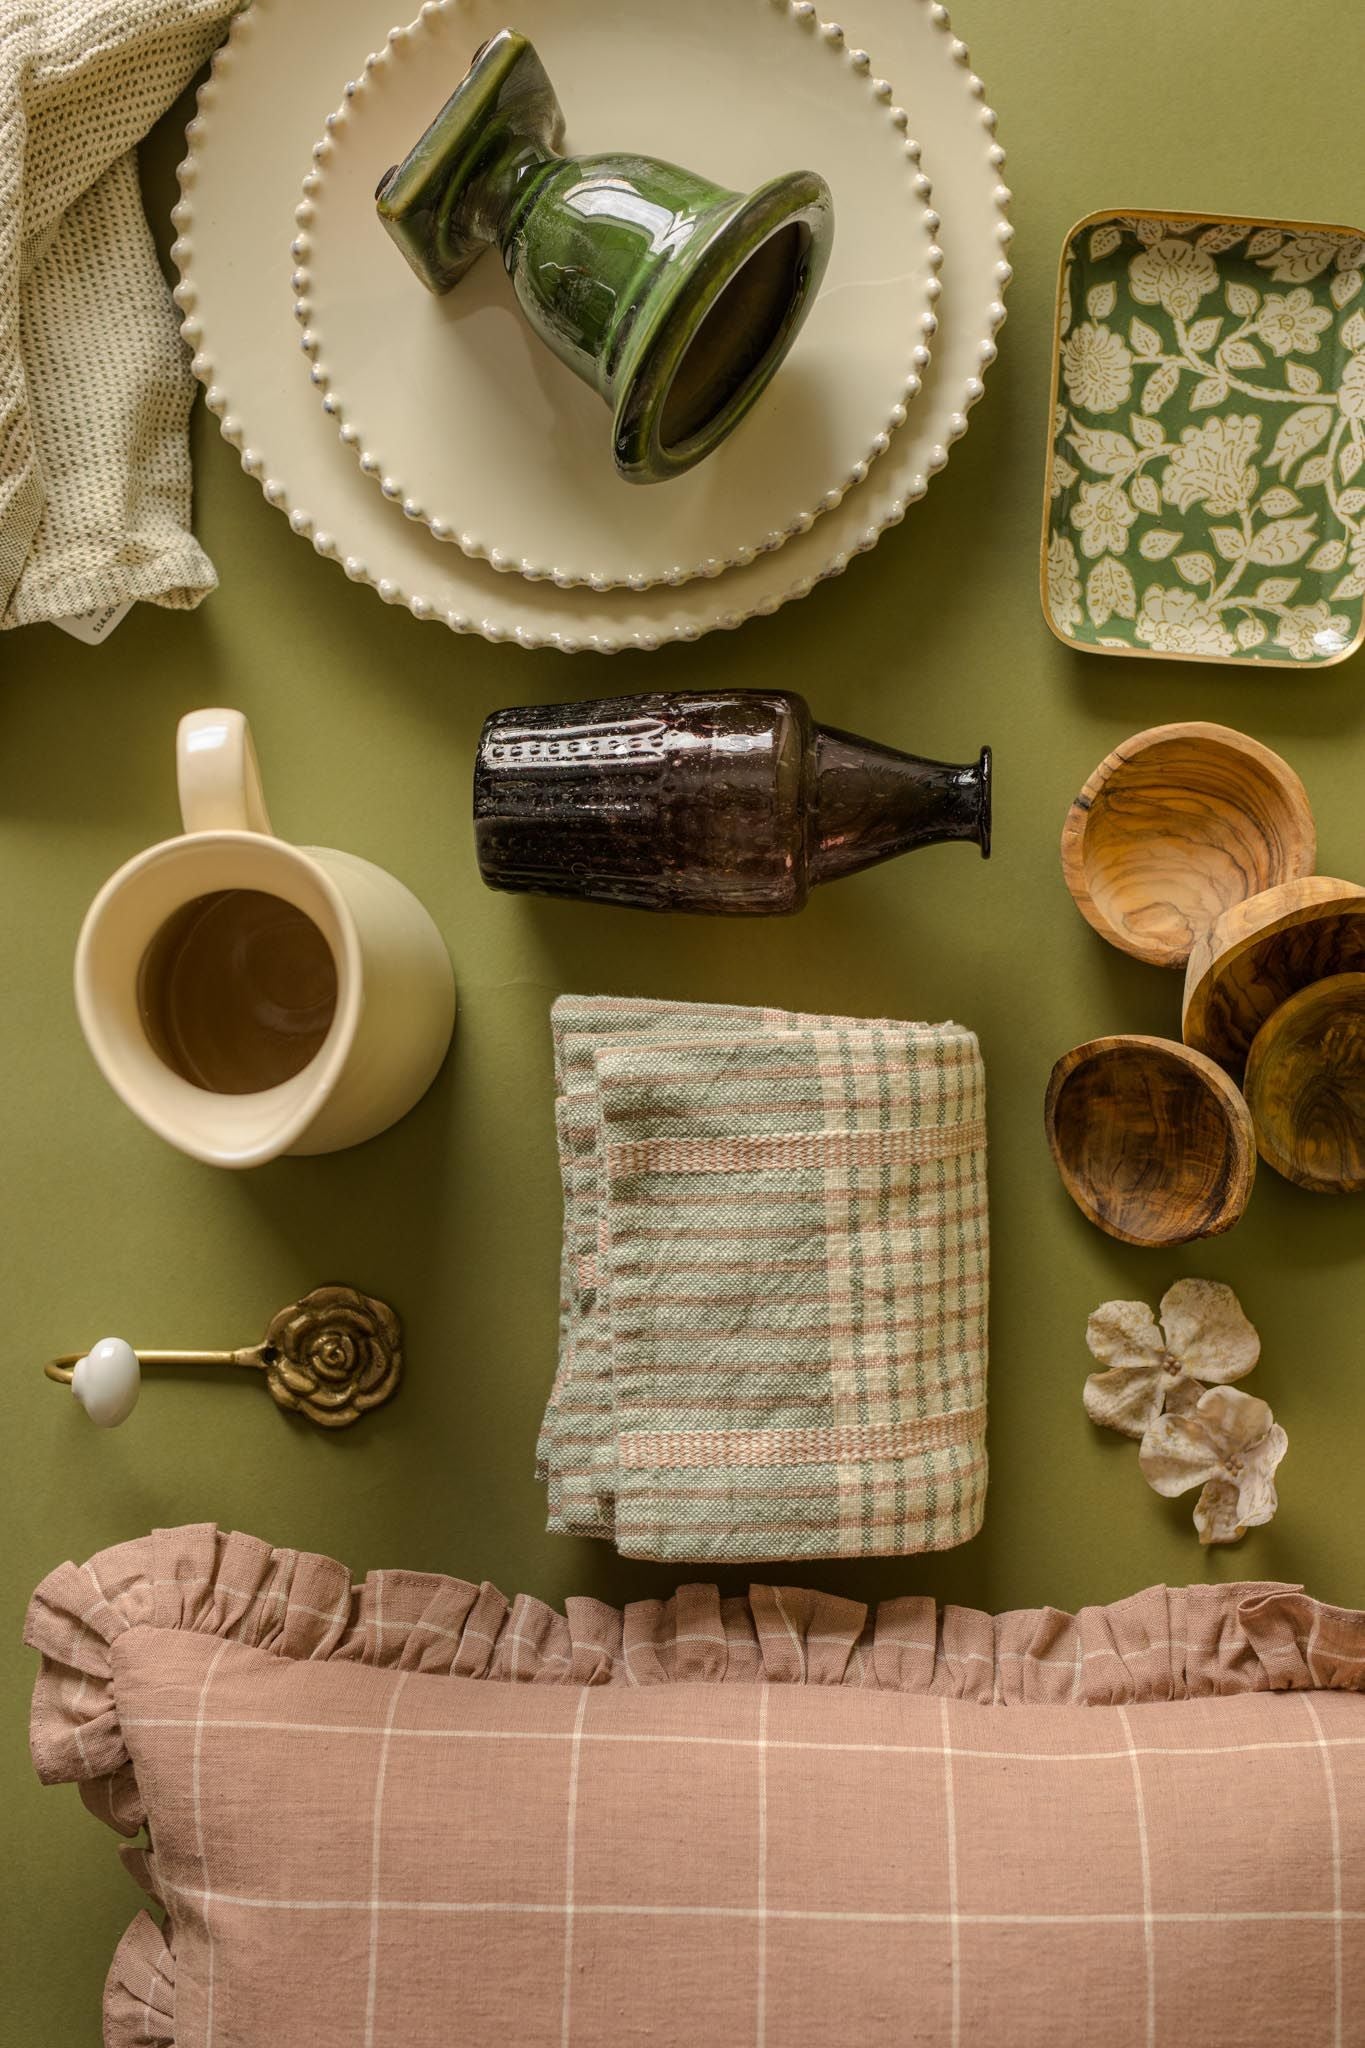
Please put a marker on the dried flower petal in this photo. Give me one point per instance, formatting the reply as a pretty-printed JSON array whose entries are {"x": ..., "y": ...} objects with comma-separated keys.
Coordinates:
[
  {"x": 1236, "y": 1420},
  {"x": 1227, "y": 1508},
  {"x": 1203, "y": 1338},
  {"x": 1208, "y": 1331},
  {"x": 1178, "y": 1452},
  {"x": 1182, "y": 1393},
  {"x": 1215, "y": 1514},
  {"x": 1124, "y": 1333},
  {"x": 1167, "y": 1385},
  {"x": 1258, "y": 1499},
  {"x": 1231, "y": 1443},
  {"x": 1127, "y": 1398}
]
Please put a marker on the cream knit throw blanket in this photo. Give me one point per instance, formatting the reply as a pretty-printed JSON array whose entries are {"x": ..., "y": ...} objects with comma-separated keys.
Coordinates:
[{"x": 95, "y": 388}]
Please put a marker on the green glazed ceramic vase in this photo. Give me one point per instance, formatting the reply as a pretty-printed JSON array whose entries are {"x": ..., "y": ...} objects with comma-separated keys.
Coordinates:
[{"x": 673, "y": 297}]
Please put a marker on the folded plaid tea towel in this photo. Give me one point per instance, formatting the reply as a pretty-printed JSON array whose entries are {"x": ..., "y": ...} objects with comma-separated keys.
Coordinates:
[
  {"x": 95, "y": 384},
  {"x": 773, "y": 1286}
]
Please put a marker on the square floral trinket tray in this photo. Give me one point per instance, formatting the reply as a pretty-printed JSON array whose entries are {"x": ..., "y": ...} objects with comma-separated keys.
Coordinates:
[{"x": 1206, "y": 467}]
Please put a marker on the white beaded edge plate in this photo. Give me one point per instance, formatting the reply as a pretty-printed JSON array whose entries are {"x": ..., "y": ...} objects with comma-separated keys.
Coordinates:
[
  {"x": 270, "y": 415},
  {"x": 417, "y": 499}
]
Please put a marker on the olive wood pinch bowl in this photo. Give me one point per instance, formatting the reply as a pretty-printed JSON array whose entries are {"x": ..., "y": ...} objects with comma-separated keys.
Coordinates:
[
  {"x": 1152, "y": 1141},
  {"x": 1305, "y": 1086},
  {"x": 1261, "y": 952},
  {"x": 1174, "y": 826}
]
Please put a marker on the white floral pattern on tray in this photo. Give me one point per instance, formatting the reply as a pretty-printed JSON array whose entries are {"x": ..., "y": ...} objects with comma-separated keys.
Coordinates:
[{"x": 1206, "y": 476}]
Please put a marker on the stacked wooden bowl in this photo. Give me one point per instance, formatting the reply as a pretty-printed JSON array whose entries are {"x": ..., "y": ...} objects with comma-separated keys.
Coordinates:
[{"x": 1193, "y": 846}]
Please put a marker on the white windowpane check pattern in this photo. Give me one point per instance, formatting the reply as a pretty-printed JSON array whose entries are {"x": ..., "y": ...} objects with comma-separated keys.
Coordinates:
[
  {"x": 781, "y": 1827},
  {"x": 1338, "y": 1910},
  {"x": 1144, "y": 1851},
  {"x": 594, "y": 1836}
]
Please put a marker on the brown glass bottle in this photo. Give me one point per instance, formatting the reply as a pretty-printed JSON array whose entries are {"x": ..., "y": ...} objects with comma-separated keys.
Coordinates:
[{"x": 732, "y": 802}]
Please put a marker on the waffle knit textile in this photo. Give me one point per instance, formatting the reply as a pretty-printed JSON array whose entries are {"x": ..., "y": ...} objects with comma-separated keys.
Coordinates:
[{"x": 95, "y": 386}]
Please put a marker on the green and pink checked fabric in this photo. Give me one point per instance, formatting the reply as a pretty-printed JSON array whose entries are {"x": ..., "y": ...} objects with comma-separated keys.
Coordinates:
[{"x": 773, "y": 1285}]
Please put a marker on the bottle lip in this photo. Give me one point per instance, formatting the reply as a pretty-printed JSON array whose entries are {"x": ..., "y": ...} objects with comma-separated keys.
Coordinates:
[{"x": 985, "y": 777}]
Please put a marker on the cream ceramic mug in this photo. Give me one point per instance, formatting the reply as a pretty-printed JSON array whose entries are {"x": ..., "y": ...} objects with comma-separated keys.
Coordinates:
[{"x": 248, "y": 998}]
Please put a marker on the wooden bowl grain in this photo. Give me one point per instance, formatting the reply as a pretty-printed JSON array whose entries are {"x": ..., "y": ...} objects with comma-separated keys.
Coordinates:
[
  {"x": 1174, "y": 826},
  {"x": 1153, "y": 1142},
  {"x": 1305, "y": 1086},
  {"x": 1261, "y": 952}
]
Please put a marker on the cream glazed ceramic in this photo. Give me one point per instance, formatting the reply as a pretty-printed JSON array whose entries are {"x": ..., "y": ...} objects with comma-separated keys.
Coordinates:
[
  {"x": 259, "y": 112},
  {"x": 395, "y": 993},
  {"x": 449, "y": 403}
]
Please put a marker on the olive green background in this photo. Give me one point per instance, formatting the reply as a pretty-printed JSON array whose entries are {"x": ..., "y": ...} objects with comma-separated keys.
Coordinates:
[{"x": 366, "y": 723}]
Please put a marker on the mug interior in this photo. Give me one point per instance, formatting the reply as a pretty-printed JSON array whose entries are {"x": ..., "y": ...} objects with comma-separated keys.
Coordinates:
[
  {"x": 237, "y": 991},
  {"x": 217, "y": 982}
]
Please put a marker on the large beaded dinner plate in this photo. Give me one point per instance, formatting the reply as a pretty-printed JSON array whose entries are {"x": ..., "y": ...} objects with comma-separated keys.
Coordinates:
[
  {"x": 258, "y": 117},
  {"x": 458, "y": 412}
]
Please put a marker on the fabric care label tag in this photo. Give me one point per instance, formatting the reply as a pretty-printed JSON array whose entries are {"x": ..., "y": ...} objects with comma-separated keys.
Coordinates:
[{"x": 93, "y": 627}]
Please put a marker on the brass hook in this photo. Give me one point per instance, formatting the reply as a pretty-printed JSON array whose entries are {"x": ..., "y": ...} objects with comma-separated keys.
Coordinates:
[
  {"x": 331, "y": 1356},
  {"x": 63, "y": 1367}
]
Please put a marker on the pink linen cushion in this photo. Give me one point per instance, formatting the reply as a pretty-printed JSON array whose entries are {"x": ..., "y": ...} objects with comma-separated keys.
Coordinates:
[{"x": 409, "y": 1813}]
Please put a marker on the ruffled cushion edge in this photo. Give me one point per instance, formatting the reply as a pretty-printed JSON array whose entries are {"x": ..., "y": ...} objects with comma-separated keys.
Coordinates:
[
  {"x": 139, "y": 1992},
  {"x": 1167, "y": 1643}
]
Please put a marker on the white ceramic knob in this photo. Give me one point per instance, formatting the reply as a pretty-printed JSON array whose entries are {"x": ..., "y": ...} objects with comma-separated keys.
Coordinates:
[{"x": 107, "y": 1382}]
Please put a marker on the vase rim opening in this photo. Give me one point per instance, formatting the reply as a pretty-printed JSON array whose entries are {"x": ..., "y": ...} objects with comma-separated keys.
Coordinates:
[{"x": 687, "y": 390}]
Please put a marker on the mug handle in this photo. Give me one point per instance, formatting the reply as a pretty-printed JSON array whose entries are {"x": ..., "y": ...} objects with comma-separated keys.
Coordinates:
[{"x": 217, "y": 774}]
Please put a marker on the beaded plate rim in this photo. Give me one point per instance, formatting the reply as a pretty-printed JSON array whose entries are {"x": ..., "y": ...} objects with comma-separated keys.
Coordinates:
[
  {"x": 506, "y": 561},
  {"x": 486, "y": 617}
]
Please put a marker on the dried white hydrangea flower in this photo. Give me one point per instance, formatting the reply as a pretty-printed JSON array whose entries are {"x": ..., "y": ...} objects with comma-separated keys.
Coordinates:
[
  {"x": 1203, "y": 1339},
  {"x": 1230, "y": 1444}
]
